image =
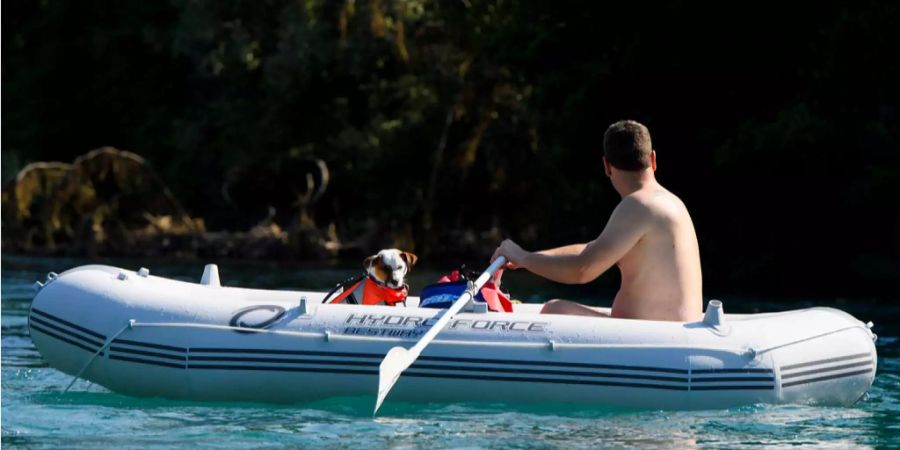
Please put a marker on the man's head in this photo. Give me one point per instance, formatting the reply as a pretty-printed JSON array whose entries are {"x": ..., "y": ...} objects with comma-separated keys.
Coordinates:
[{"x": 627, "y": 147}]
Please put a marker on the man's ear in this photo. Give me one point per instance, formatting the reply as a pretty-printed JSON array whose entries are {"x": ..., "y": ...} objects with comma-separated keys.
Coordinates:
[
  {"x": 606, "y": 167},
  {"x": 653, "y": 159},
  {"x": 410, "y": 258},
  {"x": 368, "y": 261}
]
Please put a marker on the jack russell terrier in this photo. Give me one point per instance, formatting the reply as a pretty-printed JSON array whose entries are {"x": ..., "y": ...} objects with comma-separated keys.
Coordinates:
[{"x": 383, "y": 282}]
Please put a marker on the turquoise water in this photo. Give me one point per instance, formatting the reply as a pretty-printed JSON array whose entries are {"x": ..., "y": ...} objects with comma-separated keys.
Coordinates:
[{"x": 36, "y": 414}]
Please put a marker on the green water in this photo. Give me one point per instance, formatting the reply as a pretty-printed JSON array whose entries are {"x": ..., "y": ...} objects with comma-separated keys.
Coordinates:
[{"x": 36, "y": 414}]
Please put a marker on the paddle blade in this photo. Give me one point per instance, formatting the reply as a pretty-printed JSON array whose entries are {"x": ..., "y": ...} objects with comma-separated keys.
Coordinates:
[{"x": 394, "y": 363}]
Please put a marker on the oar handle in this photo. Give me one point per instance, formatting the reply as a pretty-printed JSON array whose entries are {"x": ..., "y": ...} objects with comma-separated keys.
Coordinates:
[{"x": 493, "y": 268}]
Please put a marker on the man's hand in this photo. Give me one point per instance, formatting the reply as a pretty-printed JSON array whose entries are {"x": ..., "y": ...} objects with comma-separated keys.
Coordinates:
[{"x": 514, "y": 254}]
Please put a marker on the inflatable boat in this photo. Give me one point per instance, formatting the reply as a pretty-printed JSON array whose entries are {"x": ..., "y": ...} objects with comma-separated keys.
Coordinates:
[{"x": 144, "y": 335}]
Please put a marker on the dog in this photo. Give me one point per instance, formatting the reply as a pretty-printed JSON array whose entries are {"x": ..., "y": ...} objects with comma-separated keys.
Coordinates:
[
  {"x": 390, "y": 266},
  {"x": 382, "y": 284}
]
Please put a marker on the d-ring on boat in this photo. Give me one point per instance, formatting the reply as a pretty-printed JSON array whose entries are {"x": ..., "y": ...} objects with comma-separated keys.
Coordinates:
[{"x": 144, "y": 335}]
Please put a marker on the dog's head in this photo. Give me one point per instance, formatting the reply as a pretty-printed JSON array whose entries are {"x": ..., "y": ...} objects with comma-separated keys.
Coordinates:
[{"x": 389, "y": 266}]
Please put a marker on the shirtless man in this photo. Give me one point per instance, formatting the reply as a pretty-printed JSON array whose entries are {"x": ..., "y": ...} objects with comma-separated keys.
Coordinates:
[{"x": 650, "y": 237}]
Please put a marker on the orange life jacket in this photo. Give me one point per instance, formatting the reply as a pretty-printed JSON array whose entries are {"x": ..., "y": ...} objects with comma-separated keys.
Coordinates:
[{"x": 373, "y": 293}]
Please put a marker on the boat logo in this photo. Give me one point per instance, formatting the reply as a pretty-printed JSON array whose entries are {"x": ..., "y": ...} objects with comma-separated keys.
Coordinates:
[
  {"x": 387, "y": 325},
  {"x": 277, "y": 311}
]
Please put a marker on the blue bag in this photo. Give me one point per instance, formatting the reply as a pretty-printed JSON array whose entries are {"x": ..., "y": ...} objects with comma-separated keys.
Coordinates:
[{"x": 442, "y": 295}]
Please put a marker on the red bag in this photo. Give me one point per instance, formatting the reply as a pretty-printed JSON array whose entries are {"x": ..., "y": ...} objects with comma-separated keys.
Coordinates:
[{"x": 496, "y": 300}]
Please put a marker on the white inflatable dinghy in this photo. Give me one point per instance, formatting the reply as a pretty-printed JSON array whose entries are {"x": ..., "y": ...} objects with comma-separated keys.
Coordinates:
[{"x": 144, "y": 335}]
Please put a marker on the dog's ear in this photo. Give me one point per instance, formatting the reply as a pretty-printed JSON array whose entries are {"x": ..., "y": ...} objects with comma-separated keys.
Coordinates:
[
  {"x": 409, "y": 258},
  {"x": 368, "y": 261}
]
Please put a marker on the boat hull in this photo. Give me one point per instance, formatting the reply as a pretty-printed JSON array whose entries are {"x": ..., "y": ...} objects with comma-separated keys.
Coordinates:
[{"x": 152, "y": 336}]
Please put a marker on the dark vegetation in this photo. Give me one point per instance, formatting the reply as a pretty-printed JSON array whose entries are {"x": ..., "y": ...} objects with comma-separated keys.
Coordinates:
[{"x": 329, "y": 128}]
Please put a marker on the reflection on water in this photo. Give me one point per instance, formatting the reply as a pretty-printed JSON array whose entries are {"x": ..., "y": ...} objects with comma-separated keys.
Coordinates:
[{"x": 36, "y": 414}]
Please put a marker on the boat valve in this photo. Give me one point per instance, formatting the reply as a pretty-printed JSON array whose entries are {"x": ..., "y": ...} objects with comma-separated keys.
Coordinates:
[
  {"x": 715, "y": 317},
  {"x": 210, "y": 276}
]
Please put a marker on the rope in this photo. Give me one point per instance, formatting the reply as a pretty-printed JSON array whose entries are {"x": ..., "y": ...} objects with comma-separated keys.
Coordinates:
[
  {"x": 532, "y": 344},
  {"x": 799, "y": 341},
  {"x": 105, "y": 345},
  {"x": 227, "y": 328}
]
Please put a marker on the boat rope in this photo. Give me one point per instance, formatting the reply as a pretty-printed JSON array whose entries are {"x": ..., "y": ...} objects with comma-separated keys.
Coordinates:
[
  {"x": 105, "y": 345},
  {"x": 327, "y": 335},
  {"x": 225, "y": 327},
  {"x": 800, "y": 341}
]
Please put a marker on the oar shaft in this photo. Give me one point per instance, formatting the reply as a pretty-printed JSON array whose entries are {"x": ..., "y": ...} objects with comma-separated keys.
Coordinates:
[{"x": 399, "y": 359}]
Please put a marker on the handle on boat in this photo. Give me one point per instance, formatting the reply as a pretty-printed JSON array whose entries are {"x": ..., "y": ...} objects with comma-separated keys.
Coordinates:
[{"x": 399, "y": 359}]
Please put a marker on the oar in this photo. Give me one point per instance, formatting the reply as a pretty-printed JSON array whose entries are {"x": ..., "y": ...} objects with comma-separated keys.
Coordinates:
[{"x": 399, "y": 359}]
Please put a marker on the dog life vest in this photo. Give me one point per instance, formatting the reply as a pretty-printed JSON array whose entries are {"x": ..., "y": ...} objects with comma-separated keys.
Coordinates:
[{"x": 372, "y": 292}]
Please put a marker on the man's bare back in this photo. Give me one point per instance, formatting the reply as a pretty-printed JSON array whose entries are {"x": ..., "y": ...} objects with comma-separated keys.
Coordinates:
[
  {"x": 650, "y": 236},
  {"x": 661, "y": 277}
]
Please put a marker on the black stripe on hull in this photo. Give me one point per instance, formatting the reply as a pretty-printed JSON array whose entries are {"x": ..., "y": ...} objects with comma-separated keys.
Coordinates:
[
  {"x": 68, "y": 324},
  {"x": 118, "y": 349},
  {"x": 63, "y": 339},
  {"x": 148, "y": 345},
  {"x": 718, "y": 371},
  {"x": 556, "y": 372},
  {"x": 44, "y": 324},
  {"x": 147, "y": 361},
  {"x": 827, "y": 377},
  {"x": 286, "y": 369},
  {"x": 547, "y": 380},
  {"x": 826, "y": 369},
  {"x": 721, "y": 379},
  {"x": 379, "y": 356},
  {"x": 739, "y": 387},
  {"x": 186, "y": 358},
  {"x": 414, "y": 373},
  {"x": 335, "y": 362},
  {"x": 285, "y": 352},
  {"x": 823, "y": 361},
  {"x": 458, "y": 368},
  {"x": 552, "y": 363}
]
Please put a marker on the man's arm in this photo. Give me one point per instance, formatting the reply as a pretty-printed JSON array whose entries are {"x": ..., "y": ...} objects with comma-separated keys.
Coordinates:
[
  {"x": 628, "y": 223},
  {"x": 573, "y": 249}
]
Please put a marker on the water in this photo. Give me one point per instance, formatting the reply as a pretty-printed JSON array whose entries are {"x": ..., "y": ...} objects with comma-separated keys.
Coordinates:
[{"x": 36, "y": 414}]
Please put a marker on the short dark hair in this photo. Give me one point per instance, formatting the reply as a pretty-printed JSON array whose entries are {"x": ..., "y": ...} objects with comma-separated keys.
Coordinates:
[{"x": 627, "y": 146}]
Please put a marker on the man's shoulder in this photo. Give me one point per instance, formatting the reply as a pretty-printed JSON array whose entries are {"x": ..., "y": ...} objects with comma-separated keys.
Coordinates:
[
  {"x": 643, "y": 199},
  {"x": 653, "y": 201},
  {"x": 635, "y": 205}
]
